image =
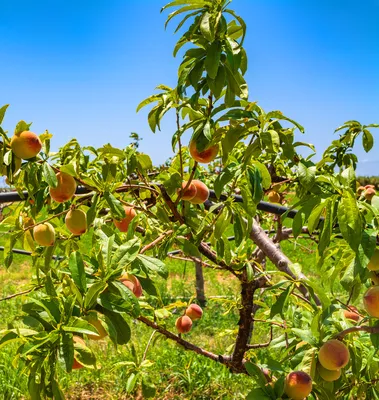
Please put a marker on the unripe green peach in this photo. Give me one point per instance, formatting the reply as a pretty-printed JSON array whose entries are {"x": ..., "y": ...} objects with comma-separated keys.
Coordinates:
[
  {"x": 26, "y": 145},
  {"x": 123, "y": 224},
  {"x": 194, "y": 312},
  {"x": 333, "y": 355},
  {"x": 76, "y": 221},
  {"x": 298, "y": 385},
  {"x": 66, "y": 188},
  {"x": 202, "y": 192},
  {"x": 371, "y": 301},
  {"x": 373, "y": 264},
  {"x": 44, "y": 234},
  {"x": 183, "y": 324},
  {"x": 205, "y": 156},
  {"x": 327, "y": 375},
  {"x": 132, "y": 283}
]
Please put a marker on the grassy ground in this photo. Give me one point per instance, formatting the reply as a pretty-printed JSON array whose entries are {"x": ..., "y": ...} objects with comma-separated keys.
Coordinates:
[{"x": 177, "y": 374}]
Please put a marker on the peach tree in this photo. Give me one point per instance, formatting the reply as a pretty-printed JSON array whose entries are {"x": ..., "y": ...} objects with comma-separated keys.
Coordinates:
[{"x": 135, "y": 215}]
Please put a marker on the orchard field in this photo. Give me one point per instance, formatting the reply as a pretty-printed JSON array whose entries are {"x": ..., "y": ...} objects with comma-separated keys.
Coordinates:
[{"x": 241, "y": 268}]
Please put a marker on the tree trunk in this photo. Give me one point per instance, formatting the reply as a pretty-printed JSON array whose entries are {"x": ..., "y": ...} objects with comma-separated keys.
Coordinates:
[{"x": 200, "y": 292}]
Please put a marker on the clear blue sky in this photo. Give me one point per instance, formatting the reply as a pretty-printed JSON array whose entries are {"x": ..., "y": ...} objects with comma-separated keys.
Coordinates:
[{"x": 79, "y": 68}]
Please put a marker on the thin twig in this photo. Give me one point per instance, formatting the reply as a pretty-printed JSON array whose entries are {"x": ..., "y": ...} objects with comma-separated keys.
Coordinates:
[
  {"x": 11, "y": 296},
  {"x": 148, "y": 345},
  {"x": 368, "y": 329},
  {"x": 261, "y": 345},
  {"x": 156, "y": 241}
]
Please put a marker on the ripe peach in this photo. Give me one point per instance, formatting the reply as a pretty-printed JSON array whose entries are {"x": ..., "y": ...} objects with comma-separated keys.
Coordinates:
[
  {"x": 274, "y": 197},
  {"x": 298, "y": 385},
  {"x": 333, "y": 355},
  {"x": 66, "y": 188},
  {"x": 132, "y": 283},
  {"x": 26, "y": 145},
  {"x": 373, "y": 264},
  {"x": 190, "y": 192},
  {"x": 44, "y": 234},
  {"x": 123, "y": 224},
  {"x": 205, "y": 156},
  {"x": 328, "y": 375},
  {"x": 93, "y": 320},
  {"x": 202, "y": 192},
  {"x": 78, "y": 342},
  {"x": 369, "y": 193},
  {"x": 76, "y": 221},
  {"x": 194, "y": 312},
  {"x": 352, "y": 314},
  {"x": 76, "y": 364},
  {"x": 371, "y": 301},
  {"x": 183, "y": 324},
  {"x": 370, "y": 187}
]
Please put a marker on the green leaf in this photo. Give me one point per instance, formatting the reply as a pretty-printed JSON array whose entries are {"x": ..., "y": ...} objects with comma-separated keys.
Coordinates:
[
  {"x": 91, "y": 213},
  {"x": 118, "y": 298},
  {"x": 93, "y": 293},
  {"x": 367, "y": 140},
  {"x": 212, "y": 60},
  {"x": 148, "y": 389},
  {"x": 281, "y": 301},
  {"x": 349, "y": 219},
  {"x": 327, "y": 227},
  {"x": 68, "y": 350},
  {"x": 152, "y": 264},
  {"x": 122, "y": 332},
  {"x": 3, "y": 109},
  {"x": 278, "y": 115},
  {"x": 115, "y": 205},
  {"x": 258, "y": 394},
  {"x": 314, "y": 218},
  {"x": 78, "y": 325},
  {"x": 49, "y": 175},
  {"x": 206, "y": 28},
  {"x": 217, "y": 85},
  {"x": 126, "y": 253},
  {"x": 57, "y": 391},
  {"x": 76, "y": 265},
  {"x": 21, "y": 127},
  {"x": 307, "y": 176}
]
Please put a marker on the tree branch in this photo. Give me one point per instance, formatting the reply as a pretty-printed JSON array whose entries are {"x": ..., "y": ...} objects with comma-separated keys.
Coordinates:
[
  {"x": 156, "y": 241},
  {"x": 368, "y": 329},
  {"x": 187, "y": 345},
  {"x": 275, "y": 255}
]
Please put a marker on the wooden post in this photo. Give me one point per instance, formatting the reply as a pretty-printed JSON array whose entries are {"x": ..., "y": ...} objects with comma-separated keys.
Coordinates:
[{"x": 200, "y": 292}]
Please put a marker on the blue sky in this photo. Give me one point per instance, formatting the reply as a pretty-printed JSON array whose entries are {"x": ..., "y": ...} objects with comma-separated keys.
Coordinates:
[{"x": 80, "y": 68}]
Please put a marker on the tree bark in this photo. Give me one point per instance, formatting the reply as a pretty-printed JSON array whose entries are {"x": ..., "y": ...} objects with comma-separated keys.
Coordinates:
[{"x": 200, "y": 290}]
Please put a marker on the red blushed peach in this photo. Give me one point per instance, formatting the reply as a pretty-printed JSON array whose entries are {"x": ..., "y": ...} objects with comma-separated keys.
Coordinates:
[
  {"x": 194, "y": 312},
  {"x": 189, "y": 193},
  {"x": 183, "y": 324},
  {"x": 202, "y": 192},
  {"x": 298, "y": 385},
  {"x": 352, "y": 314},
  {"x": 370, "y": 187},
  {"x": 205, "y": 156},
  {"x": 371, "y": 301},
  {"x": 123, "y": 224},
  {"x": 76, "y": 364},
  {"x": 66, "y": 188},
  {"x": 333, "y": 355},
  {"x": 360, "y": 190},
  {"x": 26, "y": 145},
  {"x": 132, "y": 283},
  {"x": 369, "y": 193}
]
